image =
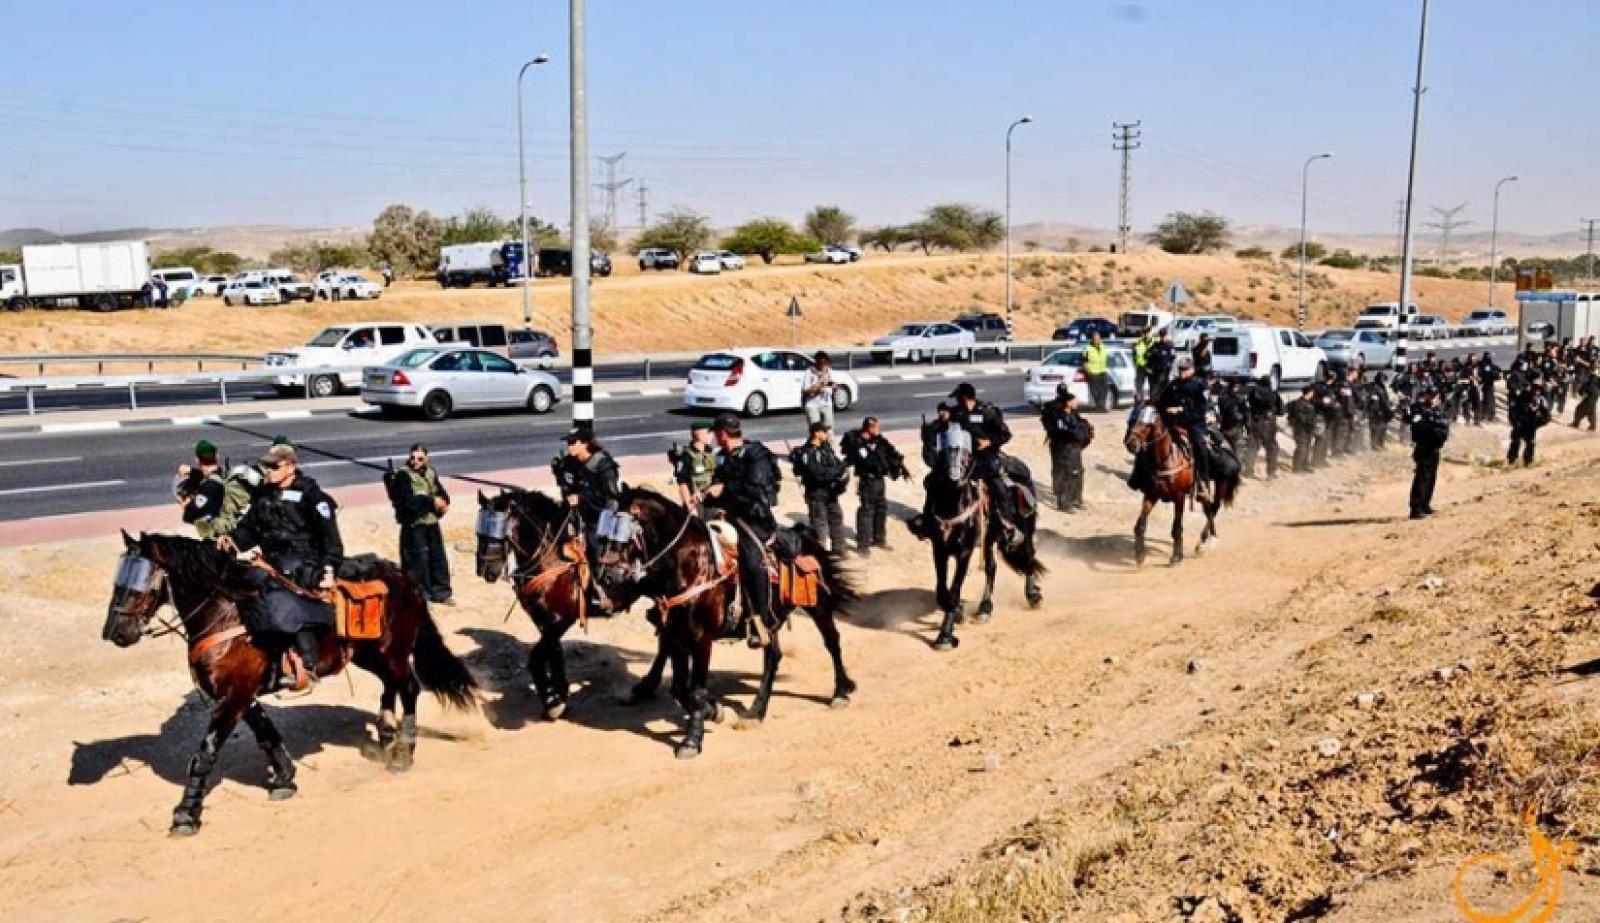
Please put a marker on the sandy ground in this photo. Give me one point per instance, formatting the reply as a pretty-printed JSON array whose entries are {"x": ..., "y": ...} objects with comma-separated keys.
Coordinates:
[
  {"x": 871, "y": 808},
  {"x": 637, "y": 312}
]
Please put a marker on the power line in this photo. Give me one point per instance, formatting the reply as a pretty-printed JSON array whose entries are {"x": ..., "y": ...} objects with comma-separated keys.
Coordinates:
[
  {"x": 1124, "y": 139},
  {"x": 1447, "y": 224}
]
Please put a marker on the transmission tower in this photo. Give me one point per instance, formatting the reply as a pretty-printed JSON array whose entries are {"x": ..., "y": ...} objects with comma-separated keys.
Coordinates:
[
  {"x": 1589, "y": 235},
  {"x": 1447, "y": 225},
  {"x": 644, "y": 211},
  {"x": 611, "y": 187},
  {"x": 1124, "y": 139}
]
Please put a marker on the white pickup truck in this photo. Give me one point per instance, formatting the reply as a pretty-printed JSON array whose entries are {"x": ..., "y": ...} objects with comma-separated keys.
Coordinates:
[{"x": 345, "y": 350}]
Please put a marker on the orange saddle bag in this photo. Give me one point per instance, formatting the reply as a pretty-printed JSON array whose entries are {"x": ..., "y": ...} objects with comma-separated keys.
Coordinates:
[{"x": 358, "y": 609}]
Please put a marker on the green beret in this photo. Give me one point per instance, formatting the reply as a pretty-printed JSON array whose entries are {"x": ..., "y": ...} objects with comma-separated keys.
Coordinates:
[{"x": 205, "y": 447}]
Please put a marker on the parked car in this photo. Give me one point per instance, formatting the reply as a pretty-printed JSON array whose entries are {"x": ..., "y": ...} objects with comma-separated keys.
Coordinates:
[
  {"x": 254, "y": 293},
  {"x": 924, "y": 340},
  {"x": 755, "y": 381},
  {"x": 986, "y": 328},
  {"x": 1078, "y": 329},
  {"x": 705, "y": 263},
  {"x": 289, "y": 287},
  {"x": 1066, "y": 366},
  {"x": 535, "y": 345},
  {"x": 1255, "y": 350},
  {"x": 1487, "y": 322},
  {"x": 852, "y": 250},
  {"x": 438, "y": 381},
  {"x": 1384, "y": 315},
  {"x": 1135, "y": 323},
  {"x": 557, "y": 261},
  {"x": 348, "y": 287},
  {"x": 730, "y": 260},
  {"x": 1186, "y": 330},
  {"x": 1366, "y": 348},
  {"x": 346, "y": 347},
  {"x": 657, "y": 258},
  {"x": 487, "y": 335},
  {"x": 1428, "y": 327},
  {"x": 211, "y": 285},
  {"x": 182, "y": 282},
  {"x": 829, "y": 255}
]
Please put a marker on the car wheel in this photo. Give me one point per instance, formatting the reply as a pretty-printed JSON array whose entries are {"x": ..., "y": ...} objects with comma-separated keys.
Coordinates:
[
  {"x": 755, "y": 405},
  {"x": 310, "y": 297},
  {"x": 16, "y": 303},
  {"x": 228, "y": 301},
  {"x": 436, "y": 406},
  {"x": 322, "y": 386},
  {"x": 841, "y": 399},
  {"x": 541, "y": 400}
]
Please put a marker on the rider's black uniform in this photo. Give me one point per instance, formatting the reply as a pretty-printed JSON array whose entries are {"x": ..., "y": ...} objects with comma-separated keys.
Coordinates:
[
  {"x": 748, "y": 476},
  {"x": 1187, "y": 396},
  {"x": 297, "y": 529}
]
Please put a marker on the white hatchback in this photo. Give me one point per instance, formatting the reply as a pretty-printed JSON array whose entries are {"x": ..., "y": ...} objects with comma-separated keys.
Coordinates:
[
  {"x": 705, "y": 263},
  {"x": 755, "y": 381},
  {"x": 1065, "y": 366},
  {"x": 924, "y": 340}
]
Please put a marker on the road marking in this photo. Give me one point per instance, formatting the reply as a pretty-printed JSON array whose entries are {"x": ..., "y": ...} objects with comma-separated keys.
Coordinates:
[
  {"x": 288, "y": 414},
  {"x": 57, "y": 487},
  {"x": 196, "y": 421},
  {"x": 41, "y": 461},
  {"x": 670, "y": 432},
  {"x": 90, "y": 427},
  {"x": 931, "y": 394},
  {"x": 655, "y": 392},
  {"x": 912, "y": 376}
]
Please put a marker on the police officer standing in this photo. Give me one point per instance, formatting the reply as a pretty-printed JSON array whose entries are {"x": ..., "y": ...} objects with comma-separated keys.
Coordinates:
[
  {"x": 1233, "y": 417},
  {"x": 1266, "y": 406},
  {"x": 1429, "y": 432},
  {"x": 1097, "y": 369},
  {"x": 419, "y": 500},
  {"x": 1380, "y": 410},
  {"x": 295, "y": 526},
  {"x": 1141, "y": 364},
  {"x": 873, "y": 458},
  {"x": 1067, "y": 434},
  {"x": 932, "y": 430},
  {"x": 693, "y": 465},
  {"x": 1327, "y": 392},
  {"x": 745, "y": 487},
  {"x": 823, "y": 478},
  {"x": 1587, "y": 396},
  {"x": 1202, "y": 357},
  {"x": 1304, "y": 418},
  {"x": 1529, "y": 411}
]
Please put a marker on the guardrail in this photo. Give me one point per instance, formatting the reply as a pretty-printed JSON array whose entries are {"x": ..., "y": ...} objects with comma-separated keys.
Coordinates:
[
  {"x": 101, "y": 360},
  {"x": 30, "y": 386}
]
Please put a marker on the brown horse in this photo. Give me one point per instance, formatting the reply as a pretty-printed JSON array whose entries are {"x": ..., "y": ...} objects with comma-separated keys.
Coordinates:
[
  {"x": 1172, "y": 481},
  {"x": 208, "y": 588},
  {"x": 669, "y": 559}
]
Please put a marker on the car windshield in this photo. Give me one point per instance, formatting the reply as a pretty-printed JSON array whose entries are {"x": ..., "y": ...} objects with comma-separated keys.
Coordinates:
[
  {"x": 717, "y": 362},
  {"x": 910, "y": 330},
  {"x": 1377, "y": 311},
  {"x": 1071, "y": 357},
  {"x": 1184, "y": 324},
  {"x": 1336, "y": 336},
  {"x": 416, "y": 357},
  {"x": 330, "y": 337}
]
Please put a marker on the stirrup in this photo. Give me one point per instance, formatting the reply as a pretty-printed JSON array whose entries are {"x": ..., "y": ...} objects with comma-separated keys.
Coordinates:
[{"x": 299, "y": 681}]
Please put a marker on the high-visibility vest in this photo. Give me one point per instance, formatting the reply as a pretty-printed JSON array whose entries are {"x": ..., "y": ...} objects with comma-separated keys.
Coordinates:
[
  {"x": 1094, "y": 359},
  {"x": 1140, "y": 347}
]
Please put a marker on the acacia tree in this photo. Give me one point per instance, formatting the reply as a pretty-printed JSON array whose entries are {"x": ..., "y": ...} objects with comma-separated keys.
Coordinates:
[
  {"x": 1186, "y": 232},
  {"x": 830, "y": 224},
  {"x": 680, "y": 230},
  {"x": 886, "y": 238},
  {"x": 766, "y": 238},
  {"x": 479, "y": 225},
  {"x": 408, "y": 240}
]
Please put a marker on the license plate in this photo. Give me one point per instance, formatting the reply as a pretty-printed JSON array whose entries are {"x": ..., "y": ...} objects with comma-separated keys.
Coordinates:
[
  {"x": 376, "y": 379},
  {"x": 703, "y": 400}
]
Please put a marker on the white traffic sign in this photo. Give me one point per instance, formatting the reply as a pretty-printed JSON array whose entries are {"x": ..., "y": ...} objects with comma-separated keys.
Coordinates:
[{"x": 1176, "y": 293}]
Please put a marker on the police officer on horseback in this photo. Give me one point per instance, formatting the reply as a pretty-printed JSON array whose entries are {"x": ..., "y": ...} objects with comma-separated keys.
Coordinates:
[
  {"x": 1182, "y": 404},
  {"x": 744, "y": 488},
  {"x": 295, "y": 525},
  {"x": 1007, "y": 479}
]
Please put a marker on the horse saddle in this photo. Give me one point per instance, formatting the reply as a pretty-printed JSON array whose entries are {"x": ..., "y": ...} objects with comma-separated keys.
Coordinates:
[
  {"x": 725, "y": 548},
  {"x": 358, "y": 609},
  {"x": 796, "y": 581}
]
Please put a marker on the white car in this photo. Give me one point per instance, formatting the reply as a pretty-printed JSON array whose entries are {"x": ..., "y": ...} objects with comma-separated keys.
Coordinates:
[
  {"x": 924, "y": 340},
  {"x": 1487, "y": 322},
  {"x": 855, "y": 253},
  {"x": 211, "y": 285},
  {"x": 1065, "y": 366},
  {"x": 346, "y": 349},
  {"x": 829, "y": 254},
  {"x": 1428, "y": 327},
  {"x": 1384, "y": 315},
  {"x": 705, "y": 263},
  {"x": 1255, "y": 351},
  {"x": 1186, "y": 330},
  {"x": 182, "y": 282},
  {"x": 440, "y": 380},
  {"x": 755, "y": 381},
  {"x": 347, "y": 287},
  {"x": 730, "y": 260},
  {"x": 254, "y": 293},
  {"x": 289, "y": 287}
]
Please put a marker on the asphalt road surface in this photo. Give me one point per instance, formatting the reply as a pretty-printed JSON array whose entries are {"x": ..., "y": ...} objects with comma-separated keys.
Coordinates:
[{"x": 56, "y": 473}]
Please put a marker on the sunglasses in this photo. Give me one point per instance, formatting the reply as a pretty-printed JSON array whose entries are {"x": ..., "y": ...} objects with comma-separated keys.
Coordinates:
[{"x": 275, "y": 466}]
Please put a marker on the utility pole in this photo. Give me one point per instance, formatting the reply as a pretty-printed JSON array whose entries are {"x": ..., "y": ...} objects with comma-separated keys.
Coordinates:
[
  {"x": 644, "y": 212},
  {"x": 1447, "y": 224},
  {"x": 582, "y": 328},
  {"x": 529, "y": 253},
  {"x": 1010, "y": 332},
  {"x": 1124, "y": 139},
  {"x": 611, "y": 187},
  {"x": 1399, "y": 225},
  {"x": 1589, "y": 235},
  {"x": 1305, "y": 187},
  {"x": 1494, "y": 238},
  {"x": 1417, "y": 89}
]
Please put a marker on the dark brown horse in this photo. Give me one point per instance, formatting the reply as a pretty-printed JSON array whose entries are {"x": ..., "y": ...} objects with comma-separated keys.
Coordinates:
[
  {"x": 669, "y": 559},
  {"x": 207, "y": 588},
  {"x": 1170, "y": 479}
]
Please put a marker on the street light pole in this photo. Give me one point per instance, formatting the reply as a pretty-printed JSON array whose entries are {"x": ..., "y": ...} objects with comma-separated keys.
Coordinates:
[
  {"x": 1494, "y": 238},
  {"x": 1411, "y": 188},
  {"x": 1305, "y": 182},
  {"x": 582, "y": 331},
  {"x": 1010, "y": 334},
  {"x": 522, "y": 196}
]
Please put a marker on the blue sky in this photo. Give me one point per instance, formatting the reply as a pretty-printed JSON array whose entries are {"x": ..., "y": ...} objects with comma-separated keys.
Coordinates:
[{"x": 184, "y": 113}]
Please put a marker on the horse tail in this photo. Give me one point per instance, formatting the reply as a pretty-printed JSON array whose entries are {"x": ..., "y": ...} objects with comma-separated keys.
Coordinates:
[
  {"x": 1024, "y": 558},
  {"x": 1227, "y": 487},
  {"x": 439, "y": 670}
]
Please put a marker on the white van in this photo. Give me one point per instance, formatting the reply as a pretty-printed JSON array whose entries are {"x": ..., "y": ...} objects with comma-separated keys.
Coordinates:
[
  {"x": 1278, "y": 353},
  {"x": 179, "y": 279},
  {"x": 348, "y": 348},
  {"x": 1384, "y": 315}
]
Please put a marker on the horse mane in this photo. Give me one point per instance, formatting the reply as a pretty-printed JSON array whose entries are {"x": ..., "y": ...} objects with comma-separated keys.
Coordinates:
[
  {"x": 193, "y": 559},
  {"x": 533, "y": 504}
]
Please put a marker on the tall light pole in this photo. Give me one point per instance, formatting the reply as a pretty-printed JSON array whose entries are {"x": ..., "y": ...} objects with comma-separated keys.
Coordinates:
[
  {"x": 1494, "y": 237},
  {"x": 582, "y": 331},
  {"x": 522, "y": 196},
  {"x": 1411, "y": 188},
  {"x": 1305, "y": 185},
  {"x": 1013, "y": 127}
]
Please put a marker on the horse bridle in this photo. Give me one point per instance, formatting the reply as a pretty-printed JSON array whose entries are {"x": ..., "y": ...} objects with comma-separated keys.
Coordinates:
[{"x": 125, "y": 599}]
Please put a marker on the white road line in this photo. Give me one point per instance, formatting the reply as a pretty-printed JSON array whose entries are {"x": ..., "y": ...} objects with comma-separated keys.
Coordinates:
[
  {"x": 57, "y": 487},
  {"x": 195, "y": 421},
  {"x": 670, "y": 432},
  {"x": 92, "y": 427},
  {"x": 912, "y": 376},
  {"x": 288, "y": 414},
  {"x": 40, "y": 461},
  {"x": 931, "y": 394},
  {"x": 951, "y": 374},
  {"x": 655, "y": 392}
]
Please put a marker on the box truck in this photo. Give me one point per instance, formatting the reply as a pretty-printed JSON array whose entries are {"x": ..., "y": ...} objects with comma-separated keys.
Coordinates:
[
  {"x": 102, "y": 276},
  {"x": 493, "y": 262}
]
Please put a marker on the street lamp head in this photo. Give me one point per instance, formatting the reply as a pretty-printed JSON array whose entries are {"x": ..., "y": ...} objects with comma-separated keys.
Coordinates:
[
  {"x": 1324, "y": 155},
  {"x": 541, "y": 59},
  {"x": 1025, "y": 119}
]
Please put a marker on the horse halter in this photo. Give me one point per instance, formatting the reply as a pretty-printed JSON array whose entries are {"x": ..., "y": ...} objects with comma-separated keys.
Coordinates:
[{"x": 137, "y": 580}]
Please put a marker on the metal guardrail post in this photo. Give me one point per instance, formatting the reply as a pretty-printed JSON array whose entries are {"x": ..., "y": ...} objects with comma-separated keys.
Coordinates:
[
  {"x": 29, "y": 393},
  {"x": 646, "y": 369},
  {"x": 133, "y": 396},
  {"x": 222, "y": 386}
]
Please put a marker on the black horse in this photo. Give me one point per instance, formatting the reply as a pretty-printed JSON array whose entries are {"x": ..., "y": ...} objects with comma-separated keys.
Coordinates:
[
  {"x": 658, "y": 550},
  {"x": 962, "y": 517}
]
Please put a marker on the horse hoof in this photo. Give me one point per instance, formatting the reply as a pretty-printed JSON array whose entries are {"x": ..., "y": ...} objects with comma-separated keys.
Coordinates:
[
  {"x": 838, "y": 702},
  {"x": 717, "y": 715},
  {"x": 984, "y": 617},
  {"x": 687, "y": 752},
  {"x": 1035, "y": 601},
  {"x": 751, "y": 723},
  {"x": 554, "y": 710},
  {"x": 181, "y": 829},
  {"x": 946, "y": 643},
  {"x": 282, "y": 793}
]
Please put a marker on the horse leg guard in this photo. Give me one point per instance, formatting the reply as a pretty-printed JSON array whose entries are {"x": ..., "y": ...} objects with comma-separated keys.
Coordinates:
[
  {"x": 406, "y": 748},
  {"x": 186, "y": 817},
  {"x": 947, "y": 640},
  {"x": 699, "y": 709},
  {"x": 280, "y": 765}
]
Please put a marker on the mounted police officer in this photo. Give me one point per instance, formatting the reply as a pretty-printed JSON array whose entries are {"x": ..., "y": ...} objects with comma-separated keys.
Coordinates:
[
  {"x": 1004, "y": 474},
  {"x": 694, "y": 465},
  {"x": 823, "y": 478},
  {"x": 873, "y": 459},
  {"x": 1430, "y": 430},
  {"x": 1067, "y": 434},
  {"x": 419, "y": 499},
  {"x": 745, "y": 487},
  {"x": 589, "y": 478},
  {"x": 1266, "y": 406},
  {"x": 1183, "y": 405},
  {"x": 295, "y": 525}
]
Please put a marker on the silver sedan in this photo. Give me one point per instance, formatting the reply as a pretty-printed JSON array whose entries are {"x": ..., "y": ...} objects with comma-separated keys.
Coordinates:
[
  {"x": 1357, "y": 348},
  {"x": 438, "y": 381}
]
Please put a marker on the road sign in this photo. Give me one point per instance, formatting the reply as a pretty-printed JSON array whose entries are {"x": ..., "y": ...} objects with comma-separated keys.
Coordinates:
[
  {"x": 1177, "y": 294},
  {"x": 794, "y": 307}
]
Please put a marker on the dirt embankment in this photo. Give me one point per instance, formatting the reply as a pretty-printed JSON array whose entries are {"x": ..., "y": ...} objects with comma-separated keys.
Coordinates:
[{"x": 638, "y": 312}]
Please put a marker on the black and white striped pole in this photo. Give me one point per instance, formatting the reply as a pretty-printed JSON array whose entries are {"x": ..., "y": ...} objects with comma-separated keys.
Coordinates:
[
  {"x": 1401, "y": 363},
  {"x": 582, "y": 326}
]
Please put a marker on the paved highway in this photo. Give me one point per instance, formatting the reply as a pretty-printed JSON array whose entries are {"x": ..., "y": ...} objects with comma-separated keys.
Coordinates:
[{"x": 56, "y": 473}]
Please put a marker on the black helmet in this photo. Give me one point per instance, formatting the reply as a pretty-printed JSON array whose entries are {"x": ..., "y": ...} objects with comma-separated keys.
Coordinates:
[{"x": 965, "y": 391}]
